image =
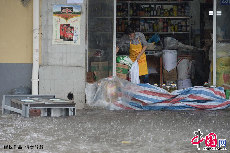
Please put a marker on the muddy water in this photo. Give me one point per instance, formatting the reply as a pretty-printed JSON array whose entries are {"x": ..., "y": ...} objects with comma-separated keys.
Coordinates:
[{"x": 113, "y": 131}]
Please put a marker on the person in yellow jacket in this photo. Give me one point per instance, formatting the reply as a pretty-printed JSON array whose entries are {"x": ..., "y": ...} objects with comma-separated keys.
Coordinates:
[{"x": 136, "y": 44}]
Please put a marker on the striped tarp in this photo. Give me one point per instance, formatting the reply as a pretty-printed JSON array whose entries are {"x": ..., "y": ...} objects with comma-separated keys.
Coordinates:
[
  {"x": 116, "y": 94},
  {"x": 148, "y": 97}
]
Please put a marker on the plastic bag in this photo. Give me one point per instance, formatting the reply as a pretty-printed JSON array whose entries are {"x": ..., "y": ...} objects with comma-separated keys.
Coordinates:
[
  {"x": 170, "y": 43},
  {"x": 184, "y": 69},
  {"x": 155, "y": 38},
  {"x": 134, "y": 73},
  {"x": 169, "y": 59},
  {"x": 104, "y": 93},
  {"x": 123, "y": 59}
]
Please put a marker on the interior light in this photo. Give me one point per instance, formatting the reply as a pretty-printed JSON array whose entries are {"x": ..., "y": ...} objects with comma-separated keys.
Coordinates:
[{"x": 217, "y": 13}]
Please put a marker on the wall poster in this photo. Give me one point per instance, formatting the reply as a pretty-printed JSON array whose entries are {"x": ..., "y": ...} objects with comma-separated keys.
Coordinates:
[{"x": 66, "y": 24}]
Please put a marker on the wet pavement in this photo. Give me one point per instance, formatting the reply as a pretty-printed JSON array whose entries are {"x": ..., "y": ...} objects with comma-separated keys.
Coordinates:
[{"x": 113, "y": 131}]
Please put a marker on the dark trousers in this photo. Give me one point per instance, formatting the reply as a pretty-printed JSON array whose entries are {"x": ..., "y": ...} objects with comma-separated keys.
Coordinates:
[{"x": 144, "y": 78}]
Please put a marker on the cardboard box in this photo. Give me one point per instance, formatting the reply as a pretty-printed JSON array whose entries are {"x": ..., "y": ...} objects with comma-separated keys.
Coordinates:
[
  {"x": 99, "y": 66},
  {"x": 100, "y": 74},
  {"x": 100, "y": 69},
  {"x": 171, "y": 75},
  {"x": 122, "y": 71}
]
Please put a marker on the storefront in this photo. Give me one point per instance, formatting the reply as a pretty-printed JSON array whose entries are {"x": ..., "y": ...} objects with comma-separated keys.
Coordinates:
[{"x": 192, "y": 25}]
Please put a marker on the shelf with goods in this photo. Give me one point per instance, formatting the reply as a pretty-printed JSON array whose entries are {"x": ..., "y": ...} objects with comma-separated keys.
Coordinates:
[{"x": 149, "y": 17}]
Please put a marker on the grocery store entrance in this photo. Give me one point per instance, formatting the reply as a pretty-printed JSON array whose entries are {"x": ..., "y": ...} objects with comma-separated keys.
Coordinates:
[{"x": 179, "y": 36}]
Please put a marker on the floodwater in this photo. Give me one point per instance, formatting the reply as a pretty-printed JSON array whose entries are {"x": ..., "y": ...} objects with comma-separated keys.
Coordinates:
[{"x": 106, "y": 131}]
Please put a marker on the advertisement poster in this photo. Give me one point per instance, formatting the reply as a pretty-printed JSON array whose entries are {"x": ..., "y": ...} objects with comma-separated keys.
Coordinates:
[{"x": 66, "y": 24}]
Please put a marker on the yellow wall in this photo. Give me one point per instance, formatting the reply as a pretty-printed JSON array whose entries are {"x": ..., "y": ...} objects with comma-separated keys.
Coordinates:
[{"x": 16, "y": 32}]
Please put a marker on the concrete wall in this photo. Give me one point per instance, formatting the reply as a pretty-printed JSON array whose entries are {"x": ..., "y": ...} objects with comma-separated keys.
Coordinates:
[
  {"x": 63, "y": 66},
  {"x": 16, "y": 42},
  {"x": 14, "y": 75}
]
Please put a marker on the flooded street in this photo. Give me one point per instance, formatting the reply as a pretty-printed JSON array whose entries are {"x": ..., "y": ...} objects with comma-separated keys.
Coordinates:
[{"x": 114, "y": 131}]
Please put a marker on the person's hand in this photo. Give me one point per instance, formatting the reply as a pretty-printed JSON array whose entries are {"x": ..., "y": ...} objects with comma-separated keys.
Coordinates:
[
  {"x": 117, "y": 49},
  {"x": 138, "y": 57}
]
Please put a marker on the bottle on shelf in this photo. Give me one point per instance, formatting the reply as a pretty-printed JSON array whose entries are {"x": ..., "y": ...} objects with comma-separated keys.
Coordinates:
[
  {"x": 135, "y": 10},
  {"x": 176, "y": 27},
  {"x": 182, "y": 10},
  {"x": 165, "y": 26},
  {"x": 160, "y": 24},
  {"x": 179, "y": 13},
  {"x": 166, "y": 12},
  {"x": 141, "y": 11},
  {"x": 146, "y": 10},
  {"x": 142, "y": 25},
  {"x": 150, "y": 26},
  {"x": 171, "y": 12},
  {"x": 158, "y": 11},
  {"x": 146, "y": 29},
  {"x": 123, "y": 26},
  {"x": 131, "y": 11},
  {"x": 174, "y": 10},
  {"x": 152, "y": 10},
  {"x": 155, "y": 11},
  {"x": 179, "y": 27},
  {"x": 162, "y": 11},
  {"x": 183, "y": 26},
  {"x": 155, "y": 26}
]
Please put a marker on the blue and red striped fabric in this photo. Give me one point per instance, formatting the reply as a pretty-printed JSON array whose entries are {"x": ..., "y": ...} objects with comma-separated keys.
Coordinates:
[{"x": 148, "y": 97}]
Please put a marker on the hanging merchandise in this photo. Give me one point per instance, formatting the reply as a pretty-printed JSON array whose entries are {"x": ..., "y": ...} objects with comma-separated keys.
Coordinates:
[
  {"x": 134, "y": 73},
  {"x": 169, "y": 59}
]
